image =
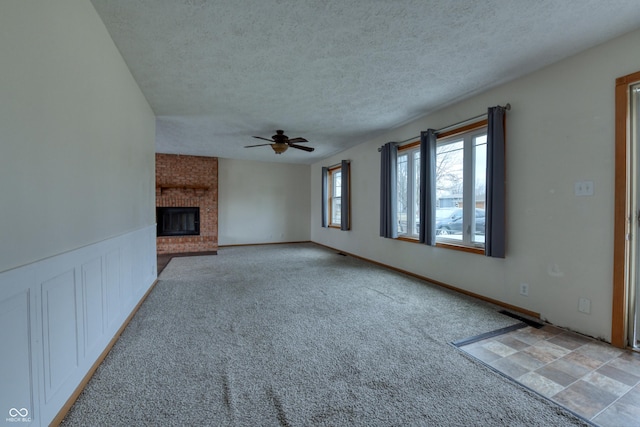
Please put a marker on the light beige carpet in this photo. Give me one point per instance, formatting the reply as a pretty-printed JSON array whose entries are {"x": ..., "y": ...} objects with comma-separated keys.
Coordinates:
[{"x": 297, "y": 335}]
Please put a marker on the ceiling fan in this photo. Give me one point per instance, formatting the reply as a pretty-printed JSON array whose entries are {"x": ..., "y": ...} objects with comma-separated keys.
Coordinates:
[{"x": 280, "y": 142}]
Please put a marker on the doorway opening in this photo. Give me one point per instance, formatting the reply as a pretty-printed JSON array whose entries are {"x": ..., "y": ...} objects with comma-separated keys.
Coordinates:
[{"x": 626, "y": 258}]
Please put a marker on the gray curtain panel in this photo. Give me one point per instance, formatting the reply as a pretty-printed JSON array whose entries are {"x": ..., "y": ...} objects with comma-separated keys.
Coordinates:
[
  {"x": 427, "y": 233},
  {"x": 345, "y": 196},
  {"x": 388, "y": 190},
  {"x": 495, "y": 240},
  {"x": 325, "y": 193}
]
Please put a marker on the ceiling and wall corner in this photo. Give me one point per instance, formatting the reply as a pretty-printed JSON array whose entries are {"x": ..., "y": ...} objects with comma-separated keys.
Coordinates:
[{"x": 337, "y": 73}]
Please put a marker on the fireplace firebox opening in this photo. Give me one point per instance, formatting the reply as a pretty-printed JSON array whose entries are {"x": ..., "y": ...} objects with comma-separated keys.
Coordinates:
[{"x": 178, "y": 221}]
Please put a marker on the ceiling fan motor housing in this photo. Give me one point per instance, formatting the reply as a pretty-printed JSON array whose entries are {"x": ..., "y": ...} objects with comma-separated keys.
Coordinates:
[{"x": 280, "y": 137}]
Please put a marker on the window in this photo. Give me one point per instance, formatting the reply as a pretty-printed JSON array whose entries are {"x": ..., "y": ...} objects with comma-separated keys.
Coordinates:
[
  {"x": 335, "y": 196},
  {"x": 461, "y": 159},
  {"x": 449, "y": 192},
  {"x": 408, "y": 190}
]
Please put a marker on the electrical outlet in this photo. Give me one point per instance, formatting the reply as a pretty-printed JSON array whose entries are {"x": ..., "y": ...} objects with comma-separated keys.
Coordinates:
[
  {"x": 583, "y": 188},
  {"x": 524, "y": 289},
  {"x": 584, "y": 306}
]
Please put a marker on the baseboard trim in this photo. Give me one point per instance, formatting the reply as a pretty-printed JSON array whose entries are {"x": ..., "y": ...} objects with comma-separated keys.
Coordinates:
[
  {"x": 441, "y": 284},
  {"x": 85, "y": 380},
  {"x": 186, "y": 254}
]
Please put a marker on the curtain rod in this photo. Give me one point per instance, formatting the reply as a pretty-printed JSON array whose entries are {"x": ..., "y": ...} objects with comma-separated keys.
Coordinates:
[
  {"x": 336, "y": 165},
  {"x": 453, "y": 126}
]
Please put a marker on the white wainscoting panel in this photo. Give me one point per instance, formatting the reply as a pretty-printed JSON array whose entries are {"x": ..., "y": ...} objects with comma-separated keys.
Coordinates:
[
  {"x": 112, "y": 285},
  {"x": 59, "y": 331},
  {"x": 15, "y": 354},
  {"x": 58, "y": 315},
  {"x": 93, "y": 303}
]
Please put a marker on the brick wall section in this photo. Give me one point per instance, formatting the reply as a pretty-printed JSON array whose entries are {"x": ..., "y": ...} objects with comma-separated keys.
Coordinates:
[{"x": 189, "y": 181}]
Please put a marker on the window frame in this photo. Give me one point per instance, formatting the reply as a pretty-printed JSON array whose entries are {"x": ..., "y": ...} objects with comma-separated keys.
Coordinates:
[
  {"x": 476, "y": 248},
  {"x": 410, "y": 149},
  {"x": 331, "y": 173},
  {"x": 472, "y": 131}
]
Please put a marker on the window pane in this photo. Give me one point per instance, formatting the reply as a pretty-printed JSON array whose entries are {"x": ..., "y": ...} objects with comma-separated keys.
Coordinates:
[
  {"x": 337, "y": 183},
  {"x": 336, "y": 192},
  {"x": 336, "y": 211},
  {"x": 449, "y": 187},
  {"x": 402, "y": 184},
  {"x": 480, "y": 145}
]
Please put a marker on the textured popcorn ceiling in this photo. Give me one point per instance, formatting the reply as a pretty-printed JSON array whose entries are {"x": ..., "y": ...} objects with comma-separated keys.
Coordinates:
[{"x": 336, "y": 72}]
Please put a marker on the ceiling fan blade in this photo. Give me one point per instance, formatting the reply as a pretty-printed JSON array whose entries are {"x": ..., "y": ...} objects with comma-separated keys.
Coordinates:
[
  {"x": 259, "y": 145},
  {"x": 301, "y": 147},
  {"x": 298, "y": 140},
  {"x": 270, "y": 140}
]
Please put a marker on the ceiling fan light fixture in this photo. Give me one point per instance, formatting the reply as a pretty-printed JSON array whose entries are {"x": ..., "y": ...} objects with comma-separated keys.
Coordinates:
[
  {"x": 279, "y": 148},
  {"x": 281, "y": 142}
]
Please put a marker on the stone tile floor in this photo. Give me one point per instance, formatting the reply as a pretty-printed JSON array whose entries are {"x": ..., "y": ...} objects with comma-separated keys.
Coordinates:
[{"x": 594, "y": 380}]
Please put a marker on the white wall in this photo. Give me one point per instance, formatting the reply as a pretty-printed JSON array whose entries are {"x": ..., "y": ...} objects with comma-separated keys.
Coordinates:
[
  {"x": 260, "y": 202},
  {"x": 77, "y": 234},
  {"x": 76, "y": 134},
  {"x": 560, "y": 130}
]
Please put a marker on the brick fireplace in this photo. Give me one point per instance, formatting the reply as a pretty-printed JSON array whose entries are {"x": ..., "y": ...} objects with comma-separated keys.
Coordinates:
[{"x": 187, "y": 184}]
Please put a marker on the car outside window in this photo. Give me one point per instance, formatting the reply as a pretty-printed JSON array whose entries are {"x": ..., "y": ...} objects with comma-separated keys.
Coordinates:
[{"x": 461, "y": 187}]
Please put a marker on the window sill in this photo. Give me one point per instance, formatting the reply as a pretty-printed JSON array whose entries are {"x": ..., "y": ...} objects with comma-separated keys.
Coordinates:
[
  {"x": 470, "y": 249},
  {"x": 462, "y": 248},
  {"x": 334, "y": 226},
  {"x": 408, "y": 239}
]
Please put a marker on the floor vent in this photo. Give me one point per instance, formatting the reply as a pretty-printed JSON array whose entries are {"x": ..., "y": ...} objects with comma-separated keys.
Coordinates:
[
  {"x": 529, "y": 322},
  {"x": 486, "y": 335}
]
